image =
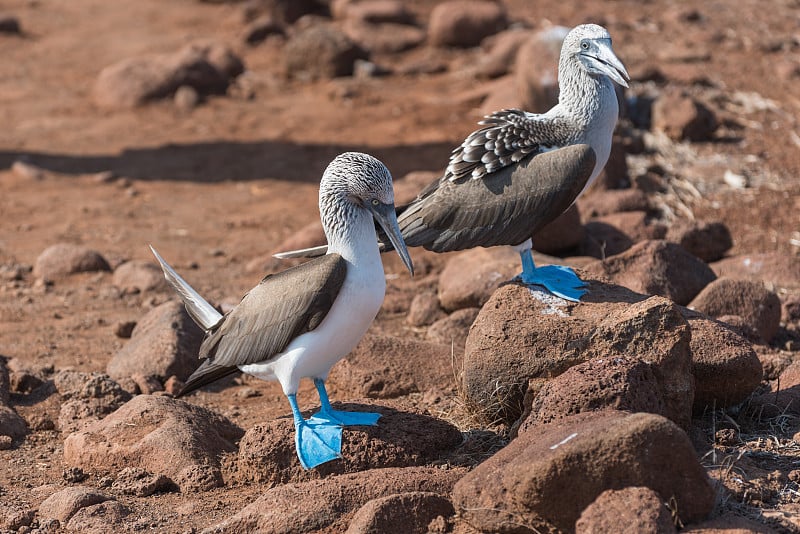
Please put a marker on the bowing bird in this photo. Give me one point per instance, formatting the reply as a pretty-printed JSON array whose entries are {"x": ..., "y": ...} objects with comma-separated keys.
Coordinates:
[{"x": 298, "y": 323}]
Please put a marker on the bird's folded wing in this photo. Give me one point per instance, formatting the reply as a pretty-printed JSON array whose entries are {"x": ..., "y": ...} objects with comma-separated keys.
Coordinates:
[
  {"x": 504, "y": 208},
  {"x": 282, "y": 307},
  {"x": 506, "y": 137}
]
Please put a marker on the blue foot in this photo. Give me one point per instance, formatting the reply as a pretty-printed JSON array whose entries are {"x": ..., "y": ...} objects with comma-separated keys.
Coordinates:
[
  {"x": 316, "y": 442},
  {"x": 559, "y": 280},
  {"x": 328, "y": 415}
]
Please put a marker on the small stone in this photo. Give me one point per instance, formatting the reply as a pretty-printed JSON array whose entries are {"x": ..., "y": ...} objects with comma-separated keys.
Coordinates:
[
  {"x": 6, "y": 442},
  {"x": 465, "y": 23},
  {"x": 74, "y": 475},
  {"x": 261, "y": 28},
  {"x": 424, "y": 309},
  {"x": 24, "y": 169},
  {"x": 186, "y": 98},
  {"x": 65, "y": 259},
  {"x": 9, "y": 24},
  {"x": 137, "y": 481}
]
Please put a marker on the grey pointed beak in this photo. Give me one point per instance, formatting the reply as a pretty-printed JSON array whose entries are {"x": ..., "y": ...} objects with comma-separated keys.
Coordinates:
[
  {"x": 386, "y": 217},
  {"x": 610, "y": 64}
]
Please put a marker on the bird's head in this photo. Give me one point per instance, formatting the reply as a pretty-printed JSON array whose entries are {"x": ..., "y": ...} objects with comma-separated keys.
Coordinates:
[
  {"x": 366, "y": 184},
  {"x": 590, "y": 46}
]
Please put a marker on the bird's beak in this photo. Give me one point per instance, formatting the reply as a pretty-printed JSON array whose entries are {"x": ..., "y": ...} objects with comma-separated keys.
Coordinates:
[
  {"x": 609, "y": 63},
  {"x": 386, "y": 217}
]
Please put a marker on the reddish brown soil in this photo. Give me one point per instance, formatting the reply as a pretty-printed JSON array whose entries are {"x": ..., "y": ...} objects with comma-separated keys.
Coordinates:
[{"x": 224, "y": 184}]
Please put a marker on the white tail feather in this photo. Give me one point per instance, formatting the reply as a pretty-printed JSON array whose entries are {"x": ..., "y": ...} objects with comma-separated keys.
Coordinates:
[{"x": 203, "y": 313}]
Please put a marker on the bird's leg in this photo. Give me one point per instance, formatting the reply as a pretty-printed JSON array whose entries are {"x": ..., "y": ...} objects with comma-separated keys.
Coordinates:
[
  {"x": 316, "y": 442},
  {"x": 328, "y": 415},
  {"x": 558, "y": 279}
]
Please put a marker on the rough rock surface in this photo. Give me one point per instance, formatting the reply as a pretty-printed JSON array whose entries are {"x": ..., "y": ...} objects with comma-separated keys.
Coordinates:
[
  {"x": 564, "y": 233},
  {"x": 781, "y": 270},
  {"x": 621, "y": 383},
  {"x": 725, "y": 366},
  {"x": 400, "y": 439},
  {"x": 465, "y": 22},
  {"x": 657, "y": 268},
  {"x": 64, "y": 504},
  {"x": 403, "y": 513},
  {"x": 321, "y": 51},
  {"x": 522, "y": 334},
  {"x": 371, "y": 371},
  {"x": 682, "y": 117},
  {"x": 453, "y": 329},
  {"x": 328, "y": 502},
  {"x": 521, "y": 488},
  {"x": 630, "y": 510},
  {"x": 163, "y": 435},
  {"x": 708, "y": 241},
  {"x": 86, "y": 398},
  {"x": 165, "y": 342},
  {"x": 98, "y": 517},
  {"x": 207, "y": 67},
  {"x": 424, "y": 309},
  {"x": 759, "y": 307},
  {"x": 140, "y": 276},
  {"x": 11, "y": 424},
  {"x": 63, "y": 259}
]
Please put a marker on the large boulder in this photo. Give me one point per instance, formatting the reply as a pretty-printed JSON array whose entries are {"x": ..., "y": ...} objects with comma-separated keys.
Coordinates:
[
  {"x": 780, "y": 270},
  {"x": 536, "y": 69},
  {"x": 708, "y": 241},
  {"x": 522, "y": 488},
  {"x": 657, "y": 267},
  {"x": 162, "y": 435},
  {"x": 522, "y": 335}
]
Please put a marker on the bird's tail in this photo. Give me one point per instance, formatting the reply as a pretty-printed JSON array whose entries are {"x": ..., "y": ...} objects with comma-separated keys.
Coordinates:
[{"x": 203, "y": 313}]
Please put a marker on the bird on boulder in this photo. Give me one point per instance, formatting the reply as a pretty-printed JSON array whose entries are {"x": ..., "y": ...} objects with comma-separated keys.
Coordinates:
[
  {"x": 299, "y": 322},
  {"x": 521, "y": 170}
]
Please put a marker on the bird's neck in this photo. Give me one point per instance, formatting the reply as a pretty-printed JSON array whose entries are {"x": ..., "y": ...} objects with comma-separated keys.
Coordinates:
[
  {"x": 350, "y": 231},
  {"x": 584, "y": 97}
]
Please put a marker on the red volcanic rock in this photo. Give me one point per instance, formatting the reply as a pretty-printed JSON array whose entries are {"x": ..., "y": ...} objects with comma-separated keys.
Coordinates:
[
  {"x": 424, "y": 309},
  {"x": 330, "y": 503},
  {"x": 657, "y": 268},
  {"x": 470, "y": 277},
  {"x": 729, "y": 524},
  {"x": 139, "y": 275},
  {"x": 781, "y": 270},
  {"x": 206, "y": 67},
  {"x": 86, "y": 398},
  {"x": 617, "y": 232},
  {"x": 453, "y": 329},
  {"x": 165, "y": 342},
  {"x": 725, "y": 366},
  {"x": 682, "y": 117},
  {"x": 600, "y": 202},
  {"x": 589, "y": 453},
  {"x": 521, "y": 335},
  {"x": 64, "y": 504},
  {"x": 708, "y": 241},
  {"x": 536, "y": 69},
  {"x": 465, "y": 23},
  {"x": 98, "y": 517},
  {"x": 404, "y": 513},
  {"x": 373, "y": 369},
  {"x": 400, "y": 439},
  {"x": 759, "y": 307},
  {"x": 631, "y": 510},
  {"x": 159, "y": 434},
  {"x": 321, "y": 51},
  {"x": 64, "y": 259},
  {"x": 621, "y": 383}
]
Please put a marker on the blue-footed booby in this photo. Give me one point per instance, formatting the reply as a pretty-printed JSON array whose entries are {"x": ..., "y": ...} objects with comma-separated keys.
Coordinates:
[
  {"x": 298, "y": 323},
  {"x": 521, "y": 170}
]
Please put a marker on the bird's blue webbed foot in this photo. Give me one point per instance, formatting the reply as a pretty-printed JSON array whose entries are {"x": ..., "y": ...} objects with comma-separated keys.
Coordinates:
[
  {"x": 328, "y": 415},
  {"x": 316, "y": 442},
  {"x": 558, "y": 279}
]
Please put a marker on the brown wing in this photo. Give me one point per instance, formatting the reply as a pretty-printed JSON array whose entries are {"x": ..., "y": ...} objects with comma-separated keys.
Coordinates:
[
  {"x": 503, "y": 208},
  {"x": 272, "y": 314}
]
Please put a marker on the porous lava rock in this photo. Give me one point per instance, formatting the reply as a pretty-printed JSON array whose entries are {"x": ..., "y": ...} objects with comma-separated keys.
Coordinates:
[
  {"x": 465, "y": 23},
  {"x": 140, "y": 276},
  {"x": 631, "y": 510},
  {"x": 401, "y": 513},
  {"x": 63, "y": 259}
]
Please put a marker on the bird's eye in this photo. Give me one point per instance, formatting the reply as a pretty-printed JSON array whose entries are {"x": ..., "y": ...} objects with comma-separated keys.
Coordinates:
[
  {"x": 375, "y": 202},
  {"x": 584, "y": 45}
]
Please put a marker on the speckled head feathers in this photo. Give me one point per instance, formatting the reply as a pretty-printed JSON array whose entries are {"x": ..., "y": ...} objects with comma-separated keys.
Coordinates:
[
  {"x": 588, "y": 47},
  {"x": 358, "y": 176}
]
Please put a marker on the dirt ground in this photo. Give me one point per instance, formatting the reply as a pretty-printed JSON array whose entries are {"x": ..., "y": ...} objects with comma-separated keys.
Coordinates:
[{"x": 220, "y": 186}]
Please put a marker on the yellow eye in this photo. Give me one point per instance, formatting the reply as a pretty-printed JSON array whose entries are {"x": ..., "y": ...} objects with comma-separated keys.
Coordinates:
[{"x": 375, "y": 202}]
